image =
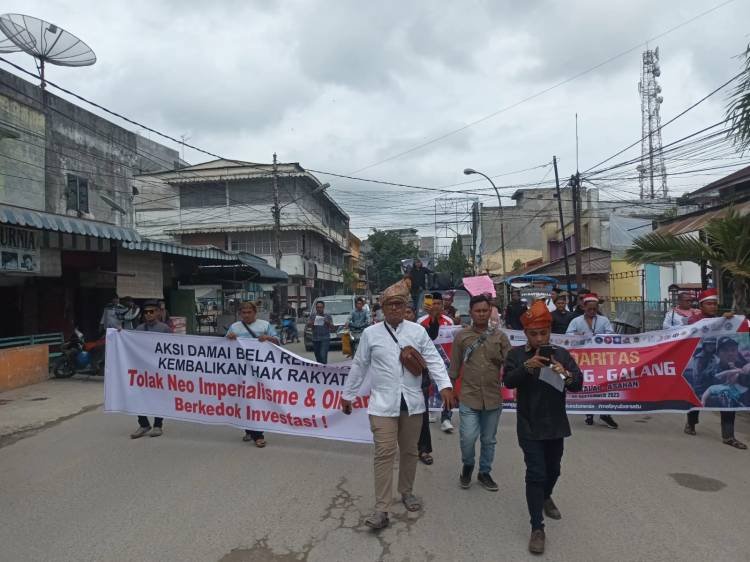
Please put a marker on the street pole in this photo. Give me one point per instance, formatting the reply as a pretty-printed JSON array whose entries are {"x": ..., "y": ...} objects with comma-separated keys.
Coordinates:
[
  {"x": 575, "y": 183},
  {"x": 276, "y": 213},
  {"x": 469, "y": 171},
  {"x": 562, "y": 223},
  {"x": 277, "y": 229}
]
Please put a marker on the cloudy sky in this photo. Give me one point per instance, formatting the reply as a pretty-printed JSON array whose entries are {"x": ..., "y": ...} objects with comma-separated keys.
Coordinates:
[{"x": 356, "y": 88}]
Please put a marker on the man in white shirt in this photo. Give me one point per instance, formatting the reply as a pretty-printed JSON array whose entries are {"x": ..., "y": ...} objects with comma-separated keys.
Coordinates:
[
  {"x": 550, "y": 302},
  {"x": 396, "y": 400},
  {"x": 250, "y": 326},
  {"x": 681, "y": 313},
  {"x": 588, "y": 324}
]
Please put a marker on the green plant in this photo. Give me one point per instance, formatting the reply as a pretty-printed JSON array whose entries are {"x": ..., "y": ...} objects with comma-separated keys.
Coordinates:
[{"x": 726, "y": 248}]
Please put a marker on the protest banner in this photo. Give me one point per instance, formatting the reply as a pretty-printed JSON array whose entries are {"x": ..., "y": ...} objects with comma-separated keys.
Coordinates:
[
  {"x": 242, "y": 383},
  {"x": 253, "y": 385}
]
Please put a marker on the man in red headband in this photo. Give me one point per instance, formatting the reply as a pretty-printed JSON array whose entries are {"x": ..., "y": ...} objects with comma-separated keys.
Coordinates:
[
  {"x": 588, "y": 324},
  {"x": 541, "y": 374},
  {"x": 709, "y": 308}
]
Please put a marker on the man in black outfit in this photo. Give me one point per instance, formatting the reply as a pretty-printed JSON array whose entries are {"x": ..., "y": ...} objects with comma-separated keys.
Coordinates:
[
  {"x": 514, "y": 310},
  {"x": 542, "y": 422},
  {"x": 418, "y": 276},
  {"x": 561, "y": 316}
]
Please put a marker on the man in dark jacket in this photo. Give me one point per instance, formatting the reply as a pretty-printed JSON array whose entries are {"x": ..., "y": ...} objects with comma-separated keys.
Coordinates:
[
  {"x": 541, "y": 374},
  {"x": 418, "y": 276},
  {"x": 561, "y": 316},
  {"x": 514, "y": 311}
]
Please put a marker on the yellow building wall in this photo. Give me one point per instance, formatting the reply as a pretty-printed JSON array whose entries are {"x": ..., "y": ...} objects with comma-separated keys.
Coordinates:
[{"x": 627, "y": 286}]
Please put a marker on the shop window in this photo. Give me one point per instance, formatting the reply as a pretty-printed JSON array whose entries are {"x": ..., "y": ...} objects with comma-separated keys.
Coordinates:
[{"x": 78, "y": 194}]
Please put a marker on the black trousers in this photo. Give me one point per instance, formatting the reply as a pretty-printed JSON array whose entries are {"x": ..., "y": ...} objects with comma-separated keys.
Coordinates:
[
  {"x": 254, "y": 434},
  {"x": 425, "y": 439},
  {"x": 542, "y": 460},
  {"x": 143, "y": 421},
  {"x": 727, "y": 422}
]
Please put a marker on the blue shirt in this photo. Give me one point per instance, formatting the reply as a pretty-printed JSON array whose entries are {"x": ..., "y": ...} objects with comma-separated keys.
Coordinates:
[
  {"x": 259, "y": 328},
  {"x": 359, "y": 320}
]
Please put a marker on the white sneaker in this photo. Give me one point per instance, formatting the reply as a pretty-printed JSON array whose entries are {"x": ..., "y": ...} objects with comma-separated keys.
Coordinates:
[{"x": 447, "y": 426}]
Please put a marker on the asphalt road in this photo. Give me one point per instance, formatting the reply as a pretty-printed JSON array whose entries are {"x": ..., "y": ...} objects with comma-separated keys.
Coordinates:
[{"x": 82, "y": 490}]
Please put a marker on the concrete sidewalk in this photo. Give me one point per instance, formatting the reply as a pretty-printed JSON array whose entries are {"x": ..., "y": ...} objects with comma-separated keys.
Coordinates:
[{"x": 24, "y": 411}]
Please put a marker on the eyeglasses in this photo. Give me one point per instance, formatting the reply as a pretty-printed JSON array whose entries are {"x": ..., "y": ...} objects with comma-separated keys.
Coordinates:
[{"x": 395, "y": 305}]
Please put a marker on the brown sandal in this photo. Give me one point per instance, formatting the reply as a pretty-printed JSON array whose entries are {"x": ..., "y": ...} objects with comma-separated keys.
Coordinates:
[
  {"x": 426, "y": 458},
  {"x": 260, "y": 443},
  {"x": 734, "y": 443}
]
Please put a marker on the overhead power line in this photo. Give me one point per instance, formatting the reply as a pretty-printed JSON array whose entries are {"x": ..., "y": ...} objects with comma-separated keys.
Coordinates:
[{"x": 541, "y": 92}]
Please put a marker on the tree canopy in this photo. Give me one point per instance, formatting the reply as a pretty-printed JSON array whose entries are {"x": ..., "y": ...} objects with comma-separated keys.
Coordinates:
[{"x": 386, "y": 250}]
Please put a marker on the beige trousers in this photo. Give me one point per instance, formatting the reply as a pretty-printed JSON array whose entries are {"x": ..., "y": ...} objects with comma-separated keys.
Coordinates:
[{"x": 389, "y": 433}]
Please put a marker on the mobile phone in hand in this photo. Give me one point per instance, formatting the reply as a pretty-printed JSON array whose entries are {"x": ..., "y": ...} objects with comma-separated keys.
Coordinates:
[{"x": 546, "y": 351}]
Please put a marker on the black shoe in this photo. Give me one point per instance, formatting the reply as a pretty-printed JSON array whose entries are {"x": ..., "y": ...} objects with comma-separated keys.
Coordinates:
[
  {"x": 551, "y": 511},
  {"x": 486, "y": 480},
  {"x": 589, "y": 419},
  {"x": 465, "y": 478},
  {"x": 609, "y": 421}
]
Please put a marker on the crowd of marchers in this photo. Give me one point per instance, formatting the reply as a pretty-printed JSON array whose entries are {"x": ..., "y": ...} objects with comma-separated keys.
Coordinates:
[{"x": 396, "y": 351}]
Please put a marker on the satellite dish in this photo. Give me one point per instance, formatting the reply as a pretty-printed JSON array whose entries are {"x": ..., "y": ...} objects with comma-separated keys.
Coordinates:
[
  {"x": 7, "y": 46},
  {"x": 114, "y": 204},
  {"x": 45, "y": 42}
]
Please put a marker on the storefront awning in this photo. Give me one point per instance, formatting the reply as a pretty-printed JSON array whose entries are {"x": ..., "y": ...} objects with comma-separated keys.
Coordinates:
[
  {"x": 19, "y": 216},
  {"x": 266, "y": 273},
  {"x": 205, "y": 252}
]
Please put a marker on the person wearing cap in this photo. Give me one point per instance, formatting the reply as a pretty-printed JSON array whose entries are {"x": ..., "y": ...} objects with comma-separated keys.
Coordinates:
[
  {"x": 709, "y": 308},
  {"x": 252, "y": 327},
  {"x": 150, "y": 324},
  {"x": 479, "y": 353},
  {"x": 591, "y": 323},
  {"x": 541, "y": 420},
  {"x": 432, "y": 322},
  {"x": 396, "y": 400},
  {"x": 513, "y": 312},
  {"x": 680, "y": 314}
]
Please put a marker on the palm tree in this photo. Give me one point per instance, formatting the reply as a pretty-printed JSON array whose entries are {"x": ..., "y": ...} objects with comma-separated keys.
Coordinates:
[
  {"x": 738, "y": 111},
  {"x": 726, "y": 248}
]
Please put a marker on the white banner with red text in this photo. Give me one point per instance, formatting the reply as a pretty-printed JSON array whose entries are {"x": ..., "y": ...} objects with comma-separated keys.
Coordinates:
[{"x": 242, "y": 383}]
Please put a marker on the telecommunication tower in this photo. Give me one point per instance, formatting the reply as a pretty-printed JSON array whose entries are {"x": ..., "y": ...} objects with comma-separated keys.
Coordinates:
[{"x": 652, "y": 173}]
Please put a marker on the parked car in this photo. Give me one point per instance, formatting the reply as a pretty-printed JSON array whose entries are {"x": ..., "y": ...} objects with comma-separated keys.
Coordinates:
[{"x": 339, "y": 307}]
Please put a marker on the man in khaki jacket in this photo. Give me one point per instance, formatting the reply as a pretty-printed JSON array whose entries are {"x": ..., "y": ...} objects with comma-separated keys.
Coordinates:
[{"x": 478, "y": 355}]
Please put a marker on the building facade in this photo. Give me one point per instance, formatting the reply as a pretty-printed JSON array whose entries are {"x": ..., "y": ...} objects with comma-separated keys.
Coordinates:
[
  {"x": 229, "y": 205},
  {"x": 66, "y": 190}
]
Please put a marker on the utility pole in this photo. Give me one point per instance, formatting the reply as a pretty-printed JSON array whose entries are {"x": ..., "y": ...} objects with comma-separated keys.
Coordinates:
[
  {"x": 575, "y": 184},
  {"x": 562, "y": 222},
  {"x": 276, "y": 214},
  {"x": 276, "y": 229}
]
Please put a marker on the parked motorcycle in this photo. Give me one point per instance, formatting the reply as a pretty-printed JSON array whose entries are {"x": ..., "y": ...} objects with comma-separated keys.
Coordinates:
[{"x": 80, "y": 357}]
